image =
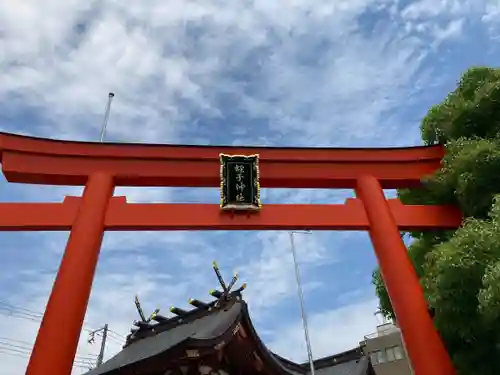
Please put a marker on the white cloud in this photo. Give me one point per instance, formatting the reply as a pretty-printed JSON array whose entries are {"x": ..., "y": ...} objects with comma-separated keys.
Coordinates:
[
  {"x": 452, "y": 30},
  {"x": 171, "y": 62},
  {"x": 430, "y": 8},
  {"x": 492, "y": 16},
  {"x": 271, "y": 276},
  {"x": 331, "y": 331}
]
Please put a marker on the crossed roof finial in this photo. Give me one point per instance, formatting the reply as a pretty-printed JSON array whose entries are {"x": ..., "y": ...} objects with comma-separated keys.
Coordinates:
[
  {"x": 226, "y": 289},
  {"x": 222, "y": 296}
]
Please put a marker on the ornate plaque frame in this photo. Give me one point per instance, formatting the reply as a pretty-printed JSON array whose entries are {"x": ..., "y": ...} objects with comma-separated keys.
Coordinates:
[{"x": 240, "y": 182}]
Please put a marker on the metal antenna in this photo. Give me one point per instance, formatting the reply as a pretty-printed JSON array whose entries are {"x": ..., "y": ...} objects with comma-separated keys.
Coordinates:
[
  {"x": 106, "y": 116},
  {"x": 301, "y": 300}
]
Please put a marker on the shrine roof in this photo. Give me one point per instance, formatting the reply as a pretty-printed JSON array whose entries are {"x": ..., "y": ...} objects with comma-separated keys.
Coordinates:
[
  {"x": 213, "y": 326},
  {"x": 347, "y": 368},
  {"x": 202, "y": 329},
  {"x": 212, "y": 330},
  {"x": 352, "y": 362}
]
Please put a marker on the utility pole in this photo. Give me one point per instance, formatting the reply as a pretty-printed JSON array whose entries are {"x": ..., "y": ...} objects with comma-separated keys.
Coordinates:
[
  {"x": 301, "y": 300},
  {"x": 91, "y": 340},
  {"x": 106, "y": 116}
]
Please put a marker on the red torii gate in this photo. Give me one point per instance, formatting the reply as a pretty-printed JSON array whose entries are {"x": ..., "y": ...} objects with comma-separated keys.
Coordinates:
[{"x": 100, "y": 167}]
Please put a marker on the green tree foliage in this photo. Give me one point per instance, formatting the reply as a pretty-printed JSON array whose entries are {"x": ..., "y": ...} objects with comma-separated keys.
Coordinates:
[{"x": 460, "y": 270}]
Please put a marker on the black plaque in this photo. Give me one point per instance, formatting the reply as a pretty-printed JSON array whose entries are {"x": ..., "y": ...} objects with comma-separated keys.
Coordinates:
[{"x": 239, "y": 182}]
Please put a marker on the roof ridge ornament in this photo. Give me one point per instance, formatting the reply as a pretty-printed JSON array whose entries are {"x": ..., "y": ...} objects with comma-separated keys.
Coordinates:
[
  {"x": 145, "y": 320},
  {"x": 224, "y": 299},
  {"x": 226, "y": 293}
]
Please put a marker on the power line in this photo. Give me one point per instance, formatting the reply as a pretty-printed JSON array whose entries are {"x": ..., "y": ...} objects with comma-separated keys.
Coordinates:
[
  {"x": 111, "y": 335},
  {"x": 8, "y": 347},
  {"x": 5, "y": 346},
  {"x": 24, "y": 345},
  {"x": 34, "y": 313},
  {"x": 15, "y": 347},
  {"x": 20, "y": 348},
  {"x": 37, "y": 316},
  {"x": 21, "y": 354},
  {"x": 18, "y": 344}
]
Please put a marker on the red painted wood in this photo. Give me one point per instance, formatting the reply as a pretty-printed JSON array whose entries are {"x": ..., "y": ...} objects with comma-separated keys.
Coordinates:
[
  {"x": 44, "y": 161},
  {"x": 122, "y": 216},
  {"x": 57, "y": 340},
  {"x": 425, "y": 348}
]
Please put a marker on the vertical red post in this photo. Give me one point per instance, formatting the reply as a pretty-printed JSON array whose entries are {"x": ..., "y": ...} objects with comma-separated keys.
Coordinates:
[
  {"x": 425, "y": 348},
  {"x": 59, "y": 333}
]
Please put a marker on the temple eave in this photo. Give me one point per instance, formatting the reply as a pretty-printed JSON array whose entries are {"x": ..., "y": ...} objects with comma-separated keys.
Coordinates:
[
  {"x": 216, "y": 338},
  {"x": 230, "y": 346}
]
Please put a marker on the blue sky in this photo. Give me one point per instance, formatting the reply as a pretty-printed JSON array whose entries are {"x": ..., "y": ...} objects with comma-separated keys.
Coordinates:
[{"x": 354, "y": 73}]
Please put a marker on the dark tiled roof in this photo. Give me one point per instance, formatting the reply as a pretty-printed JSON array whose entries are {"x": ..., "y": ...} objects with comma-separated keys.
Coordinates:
[
  {"x": 354, "y": 367},
  {"x": 201, "y": 326},
  {"x": 350, "y": 362},
  {"x": 207, "y": 327}
]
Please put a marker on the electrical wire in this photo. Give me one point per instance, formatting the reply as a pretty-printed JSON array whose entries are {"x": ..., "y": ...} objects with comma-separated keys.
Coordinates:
[
  {"x": 14, "y": 314},
  {"x": 37, "y": 317},
  {"x": 24, "y": 345},
  {"x": 10, "y": 346},
  {"x": 20, "y": 348},
  {"x": 22, "y": 354}
]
